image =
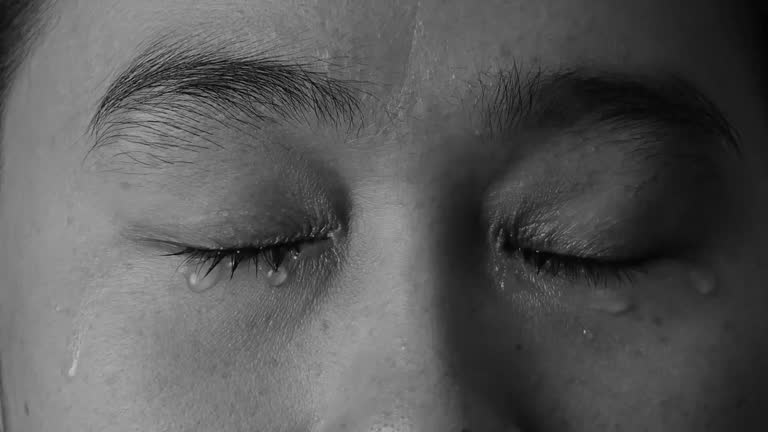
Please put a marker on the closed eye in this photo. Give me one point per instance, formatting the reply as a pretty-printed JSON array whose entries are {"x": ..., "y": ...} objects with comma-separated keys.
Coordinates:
[
  {"x": 209, "y": 259},
  {"x": 570, "y": 266},
  {"x": 594, "y": 271}
]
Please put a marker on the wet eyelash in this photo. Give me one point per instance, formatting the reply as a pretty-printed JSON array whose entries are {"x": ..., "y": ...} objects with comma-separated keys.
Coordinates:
[
  {"x": 570, "y": 267},
  {"x": 575, "y": 268},
  {"x": 272, "y": 255}
]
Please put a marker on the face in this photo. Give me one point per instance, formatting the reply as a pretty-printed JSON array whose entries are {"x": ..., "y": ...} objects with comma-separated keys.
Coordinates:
[{"x": 384, "y": 216}]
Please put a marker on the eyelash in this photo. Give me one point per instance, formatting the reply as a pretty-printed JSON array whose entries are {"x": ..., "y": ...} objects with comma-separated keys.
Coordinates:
[
  {"x": 571, "y": 268},
  {"x": 272, "y": 255},
  {"x": 576, "y": 269}
]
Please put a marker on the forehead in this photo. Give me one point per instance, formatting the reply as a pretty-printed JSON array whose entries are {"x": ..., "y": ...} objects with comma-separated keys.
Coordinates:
[
  {"x": 418, "y": 53},
  {"x": 390, "y": 41}
]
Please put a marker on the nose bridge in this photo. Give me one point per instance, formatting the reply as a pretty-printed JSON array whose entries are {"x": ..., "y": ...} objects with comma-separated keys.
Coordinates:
[
  {"x": 409, "y": 329},
  {"x": 402, "y": 374}
]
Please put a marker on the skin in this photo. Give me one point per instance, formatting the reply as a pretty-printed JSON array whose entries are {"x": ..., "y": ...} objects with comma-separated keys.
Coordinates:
[{"x": 404, "y": 326}]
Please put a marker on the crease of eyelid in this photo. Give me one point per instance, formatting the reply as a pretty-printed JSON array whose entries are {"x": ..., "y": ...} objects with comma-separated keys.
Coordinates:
[{"x": 537, "y": 236}]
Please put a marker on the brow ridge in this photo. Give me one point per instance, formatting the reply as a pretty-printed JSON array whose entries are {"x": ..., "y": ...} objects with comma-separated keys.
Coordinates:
[
  {"x": 176, "y": 77},
  {"x": 513, "y": 99}
]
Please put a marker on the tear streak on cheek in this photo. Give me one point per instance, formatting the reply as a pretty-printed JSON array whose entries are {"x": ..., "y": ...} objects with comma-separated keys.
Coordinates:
[{"x": 82, "y": 321}]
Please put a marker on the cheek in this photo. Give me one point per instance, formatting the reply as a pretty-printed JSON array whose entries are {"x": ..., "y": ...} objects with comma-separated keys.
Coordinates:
[
  {"x": 52, "y": 247},
  {"x": 565, "y": 360},
  {"x": 142, "y": 346}
]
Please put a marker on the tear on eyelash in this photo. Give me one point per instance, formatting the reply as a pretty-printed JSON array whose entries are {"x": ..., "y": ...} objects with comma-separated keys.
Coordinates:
[
  {"x": 578, "y": 269},
  {"x": 273, "y": 256}
]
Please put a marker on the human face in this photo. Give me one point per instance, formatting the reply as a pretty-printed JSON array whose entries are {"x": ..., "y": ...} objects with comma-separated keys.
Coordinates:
[{"x": 508, "y": 216}]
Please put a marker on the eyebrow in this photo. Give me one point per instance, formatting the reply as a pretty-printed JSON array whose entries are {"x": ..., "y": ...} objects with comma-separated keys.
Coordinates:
[
  {"x": 181, "y": 79},
  {"x": 174, "y": 83},
  {"x": 663, "y": 103}
]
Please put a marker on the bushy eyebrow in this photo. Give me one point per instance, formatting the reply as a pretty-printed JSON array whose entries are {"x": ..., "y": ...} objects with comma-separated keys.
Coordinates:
[
  {"x": 173, "y": 77},
  {"x": 176, "y": 82},
  {"x": 512, "y": 99}
]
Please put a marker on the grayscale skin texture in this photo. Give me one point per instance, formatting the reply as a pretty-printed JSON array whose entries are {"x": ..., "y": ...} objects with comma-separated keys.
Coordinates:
[{"x": 400, "y": 322}]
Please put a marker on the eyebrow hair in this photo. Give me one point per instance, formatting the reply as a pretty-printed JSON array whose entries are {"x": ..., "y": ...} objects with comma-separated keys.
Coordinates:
[
  {"x": 173, "y": 83},
  {"x": 23, "y": 23},
  {"x": 537, "y": 99},
  {"x": 172, "y": 78}
]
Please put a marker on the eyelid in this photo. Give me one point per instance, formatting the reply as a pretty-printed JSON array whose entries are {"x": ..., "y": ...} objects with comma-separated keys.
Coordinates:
[
  {"x": 609, "y": 240},
  {"x": 229, "y": 236},
  {"x": 541, "y": 255},
  {"x": 273, "y": 253},
  {"x": 575, "y": 270}
]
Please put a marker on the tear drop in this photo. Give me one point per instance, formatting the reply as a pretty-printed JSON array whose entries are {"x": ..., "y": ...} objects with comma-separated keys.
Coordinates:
[
  {"x": 610, "y": 301},
  {"x": 703, "y": 282},
  {"x": 294, "y": 254},
  {"x": 198, "y": 281},
  {"x": 277, "y": 277}
]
